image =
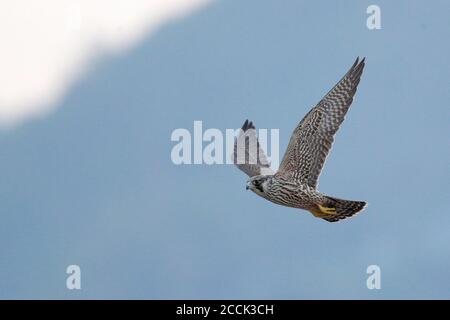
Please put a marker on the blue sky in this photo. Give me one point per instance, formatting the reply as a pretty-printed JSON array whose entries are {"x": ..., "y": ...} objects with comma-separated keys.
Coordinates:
[{"x": 92, "y": 183}]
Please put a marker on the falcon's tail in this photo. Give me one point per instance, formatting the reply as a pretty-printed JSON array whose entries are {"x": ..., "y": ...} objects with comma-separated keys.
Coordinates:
[{"x": 335, "y": 209}]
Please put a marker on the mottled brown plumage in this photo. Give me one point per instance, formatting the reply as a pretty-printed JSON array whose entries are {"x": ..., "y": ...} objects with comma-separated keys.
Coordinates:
[
  {"x": 312, "y": 138},
  {"x": 295, "y": 182}
]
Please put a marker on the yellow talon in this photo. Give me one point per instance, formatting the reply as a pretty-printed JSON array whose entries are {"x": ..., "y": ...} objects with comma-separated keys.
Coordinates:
[
  {"x": 323, "y": 211},
  {"x": 327, "y": 210}
]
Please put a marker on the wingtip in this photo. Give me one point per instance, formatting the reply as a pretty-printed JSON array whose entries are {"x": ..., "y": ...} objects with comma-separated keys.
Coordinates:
[
  {"x": 248, "y": 125},
  {"x": 357, "y": 68},
  {"x": 244, "y": 126},
  {"x": 360, "y": 62}
]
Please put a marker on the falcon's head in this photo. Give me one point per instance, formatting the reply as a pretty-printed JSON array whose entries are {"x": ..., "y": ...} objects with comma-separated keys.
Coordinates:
[{"x": 259, "y": 184}]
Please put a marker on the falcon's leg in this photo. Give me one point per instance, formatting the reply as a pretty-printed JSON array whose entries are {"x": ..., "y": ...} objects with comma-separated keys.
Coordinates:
[{"x": 322, "y": 212}]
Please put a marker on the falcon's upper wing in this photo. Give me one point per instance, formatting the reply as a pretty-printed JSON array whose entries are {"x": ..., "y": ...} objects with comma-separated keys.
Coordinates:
[
  {"x": 312, "y": 138},
  {"x": 248, "y": 156}
]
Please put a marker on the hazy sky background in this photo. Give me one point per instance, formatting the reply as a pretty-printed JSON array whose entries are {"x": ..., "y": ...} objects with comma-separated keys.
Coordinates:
[
  {"x": 92, "y": 183},
  {"x": 65, "y": 38}
]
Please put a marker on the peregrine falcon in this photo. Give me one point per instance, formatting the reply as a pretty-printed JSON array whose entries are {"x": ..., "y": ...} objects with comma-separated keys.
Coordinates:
[{"x": 295, "y": 183}]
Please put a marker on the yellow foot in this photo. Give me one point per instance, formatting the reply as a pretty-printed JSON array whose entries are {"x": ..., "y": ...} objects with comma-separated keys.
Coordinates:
[
  {"x": 323, "y": 211},
  {"x": 326, "y": 210}
]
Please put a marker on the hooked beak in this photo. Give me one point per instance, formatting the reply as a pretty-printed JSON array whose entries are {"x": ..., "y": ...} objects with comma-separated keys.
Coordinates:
[{"x": 247, "y": 186}]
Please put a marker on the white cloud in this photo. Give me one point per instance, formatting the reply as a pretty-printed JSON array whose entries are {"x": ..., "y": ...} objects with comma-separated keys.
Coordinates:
[{"x": 46, "y": 44}]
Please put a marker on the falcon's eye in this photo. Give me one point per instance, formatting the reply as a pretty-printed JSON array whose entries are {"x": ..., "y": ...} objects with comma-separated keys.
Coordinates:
[{"x": 256, "y": 182}]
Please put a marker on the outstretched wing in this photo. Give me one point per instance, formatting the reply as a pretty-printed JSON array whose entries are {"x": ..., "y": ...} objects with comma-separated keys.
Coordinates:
[
  {"x": 312, "y": 138},
  {"x": 248, "y": 156}
]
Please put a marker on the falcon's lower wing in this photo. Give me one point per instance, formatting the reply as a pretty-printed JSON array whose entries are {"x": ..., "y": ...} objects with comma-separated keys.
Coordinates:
[{"x": 248, "y": 156}]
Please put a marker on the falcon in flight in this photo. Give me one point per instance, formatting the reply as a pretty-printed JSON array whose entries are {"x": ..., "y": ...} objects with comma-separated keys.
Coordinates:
[{"x": 295, "y": 183}]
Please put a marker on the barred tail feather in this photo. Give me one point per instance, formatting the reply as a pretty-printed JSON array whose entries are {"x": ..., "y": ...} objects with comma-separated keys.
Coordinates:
[{"x": 343, "y": 208}]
